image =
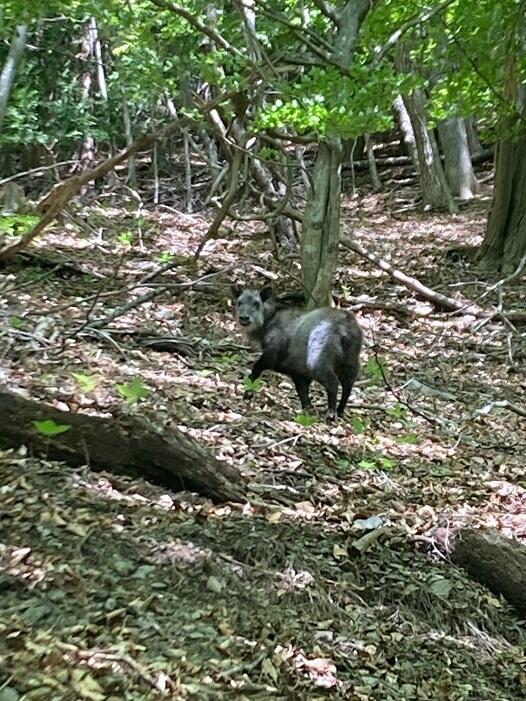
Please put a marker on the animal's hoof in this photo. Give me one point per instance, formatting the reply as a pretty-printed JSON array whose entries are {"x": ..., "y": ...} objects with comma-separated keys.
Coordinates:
[
  {"x": 330, "y": 416},
  {"x": 309, "y": 409}
]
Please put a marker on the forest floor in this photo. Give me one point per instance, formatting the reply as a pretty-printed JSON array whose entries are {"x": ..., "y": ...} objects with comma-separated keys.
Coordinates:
[{"x": 113, "y": 588}]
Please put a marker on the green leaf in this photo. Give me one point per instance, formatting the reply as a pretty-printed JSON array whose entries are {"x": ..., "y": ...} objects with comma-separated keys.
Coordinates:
[
  {"x": 399, "y": 411},
  {"x": 17, "y": 224},
  {"x": 367, "y": 464},
  {"x": 386, "y": 463},
  {"x": 165, "y": 257},
  {"x": 373, "y": 369},
  {"x": 133, "y": 391},
  {"x": 408, "y": 439},
  {"x": 360, "y": 425},
  {"x": 86, "y": 382},
  {"x": 125, "y": 238},
  {"x": 49, "y": 428},
  {"x": 306, "y": 420},
  {"x": 252, "y": 386},
  {"x": 441, "y": 587},
  {"x": 16, "y": 322}
]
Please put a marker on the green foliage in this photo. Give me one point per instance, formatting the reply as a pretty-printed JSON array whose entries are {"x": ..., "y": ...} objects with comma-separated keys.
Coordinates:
[
  {"x": 87, "y": 383},
  {"x": 133, "y": 391},
  {"x": 382, "y": 462},
  {"x": 408, "y": 439},
  {"x": 49, "y": 428},
  {"x": 399, "y": 411},
  {"x": 16, "y": 322},
  {"x": 125, "y": 238},
  {"x": 306, "y": 420},
  {"x": 325, "y": 102},
  {"x": 360, "y": 423},
  {"x": 373, "y": 369},
  {"x": 252, "y": 386},
  {"x": 165, "y": 257},
  {"x": 17, "y": 224}
]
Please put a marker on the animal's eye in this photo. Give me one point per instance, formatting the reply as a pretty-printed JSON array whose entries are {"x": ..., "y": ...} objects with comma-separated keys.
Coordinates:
[{"x": 257, "y": 305}]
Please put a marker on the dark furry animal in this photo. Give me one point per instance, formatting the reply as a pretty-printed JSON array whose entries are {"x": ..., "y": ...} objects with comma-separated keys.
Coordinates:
[{"x": 322, "y": 345}]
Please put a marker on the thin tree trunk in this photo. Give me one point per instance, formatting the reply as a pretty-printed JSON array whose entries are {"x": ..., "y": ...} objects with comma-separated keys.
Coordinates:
[
  {"x": 406, "y": 129},
  {"x": 132, "y": 175},
  {"x": 8, "y": 75},
  {"x": 373, "y": 170},
  {"x": 187, "y": 173},
  {"x": 87, "y": 156},
  {"x": 475, "y": 147},
  {"x": 457, "y": 158}
]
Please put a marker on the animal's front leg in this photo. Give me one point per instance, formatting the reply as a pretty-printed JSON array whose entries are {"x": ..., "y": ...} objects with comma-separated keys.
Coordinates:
[{"x": 264, "y": 362}]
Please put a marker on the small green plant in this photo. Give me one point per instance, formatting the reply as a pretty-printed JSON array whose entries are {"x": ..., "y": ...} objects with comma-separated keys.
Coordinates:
[
  {"x": 49, "y": 428},
  {"x": 133, "y": 391},
  {"x": 359, "y": 424},
  {"x": 367, "y": 464},
  {"x": 374, "y": 369},
  {"x": 399, "y": 411},
  {"x": 16, "y": 322},
  {"x": 306, "y": 420},
  {"x": 165, "y": 257},
  {"x": 386, "y": 463},
  {"x": 229, "y": 358},
  {"x": 408, "y": 439},
  {"x": 125, "y": 238},
  {"x": 87, "y": 383},
  {"x": 343, "y": 465},
  {"x": 252, "y": 386},
  {"x": 205, "y": 372},
  {"x": 17, "y": 224}
]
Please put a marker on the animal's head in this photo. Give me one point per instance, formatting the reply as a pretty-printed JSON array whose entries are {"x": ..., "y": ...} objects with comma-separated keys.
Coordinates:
[{"x": 252, "y": 306}]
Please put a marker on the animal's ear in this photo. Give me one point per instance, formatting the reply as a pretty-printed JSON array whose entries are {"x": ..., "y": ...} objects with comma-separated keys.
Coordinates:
[
  {"x": 235, "y": 290},
  {"x": 266, "y": 293}
]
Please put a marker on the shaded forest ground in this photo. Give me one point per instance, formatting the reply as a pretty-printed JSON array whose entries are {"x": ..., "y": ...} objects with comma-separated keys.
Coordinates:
[{"x": 114, "y": 589}]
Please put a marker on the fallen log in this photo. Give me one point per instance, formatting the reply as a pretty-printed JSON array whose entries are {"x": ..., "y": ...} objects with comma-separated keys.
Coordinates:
[
  {"x": 126, "y": 445},
  {"x": 495, "y": 561}
]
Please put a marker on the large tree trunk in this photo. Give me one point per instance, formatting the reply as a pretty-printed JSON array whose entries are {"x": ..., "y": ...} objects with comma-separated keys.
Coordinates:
[
  {"x": 128, "y": 445},
  {"x": 433, "y": 185},
  {"x": 457, "y": 158},
  {"x": 8, "y": 75},
  {"x": 496, "y": 561},
  {"x": 504, "y": 245},
  {"x": 321, "y": 225}
]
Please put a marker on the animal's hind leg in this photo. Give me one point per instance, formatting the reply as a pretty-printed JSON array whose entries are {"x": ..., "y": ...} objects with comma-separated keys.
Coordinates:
[
  {"x": 302, "y": 385},
  {"x": 347, "y": 377},
  {"x": 329, "y": 380}
]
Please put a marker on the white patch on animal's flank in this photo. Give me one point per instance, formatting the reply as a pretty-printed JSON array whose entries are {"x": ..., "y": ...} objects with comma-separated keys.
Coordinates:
[{"x": 318, "y": 338}]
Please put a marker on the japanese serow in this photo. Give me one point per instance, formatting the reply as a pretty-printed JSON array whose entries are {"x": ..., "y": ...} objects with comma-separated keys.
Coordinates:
[{"x": 322, "y": 345}]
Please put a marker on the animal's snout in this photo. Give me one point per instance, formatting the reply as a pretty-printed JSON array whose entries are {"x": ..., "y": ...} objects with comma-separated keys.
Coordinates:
[{"x": 244, "y": 320}]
